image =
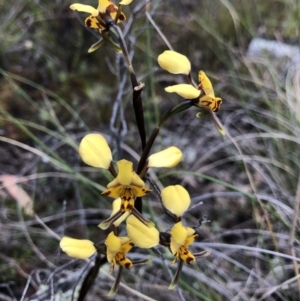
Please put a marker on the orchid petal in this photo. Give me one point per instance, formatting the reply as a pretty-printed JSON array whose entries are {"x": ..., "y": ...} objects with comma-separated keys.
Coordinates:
[
  {"x": 178, "y": 237},
  {"x": 94, "y": 151},
  {"x": 176, "y": 199},
  {"x": 169, "y": 157},
  {"x": 113, "y": 246},
  {"x": 85, "y": 8},
  {"x": 184, "y": 90},
  {"x": 141, "y": 235},
  {"x": 125, "y": 172},
  {"x": 77, "y": 248},
  {"x": 125, "y": 2},
  {"x": 174, "y": 62}
]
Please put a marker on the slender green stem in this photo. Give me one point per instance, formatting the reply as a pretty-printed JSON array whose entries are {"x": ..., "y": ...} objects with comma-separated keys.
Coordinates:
[{"x": 182, "y": 106}]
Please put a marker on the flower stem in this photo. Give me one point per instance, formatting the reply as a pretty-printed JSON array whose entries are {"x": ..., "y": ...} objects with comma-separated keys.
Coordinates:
[
  {"x": 145, "y": 154},
  {"x": 184, "y": 105},
  {"x": 137, "y": 87},
  {"x": 91, "y": 277}
]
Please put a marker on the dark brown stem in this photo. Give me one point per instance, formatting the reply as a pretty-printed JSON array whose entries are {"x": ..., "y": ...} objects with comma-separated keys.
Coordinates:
[
  {"x": 137, "y": 87},
  {"x": 112, "y": 170},
  {"x": 175, "y": 110},
  {"x": 91, "y": 277},
  {"x": 147, "y": 149}
]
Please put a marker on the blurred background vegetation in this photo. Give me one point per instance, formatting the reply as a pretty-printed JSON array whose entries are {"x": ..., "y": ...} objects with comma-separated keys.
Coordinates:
[{"x": 52, "y": 93}]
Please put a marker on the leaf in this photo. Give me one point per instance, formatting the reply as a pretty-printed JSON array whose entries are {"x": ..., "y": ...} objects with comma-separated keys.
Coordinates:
[{"x": 18, "y": 193}]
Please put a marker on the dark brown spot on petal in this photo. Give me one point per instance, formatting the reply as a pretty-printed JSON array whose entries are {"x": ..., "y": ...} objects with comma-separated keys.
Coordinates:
[
  {"x": 122, "y": 17},
  {"x": 88, "y": 23},
  {"x": 106, "y": 192},
  {"x": 111, "y": 9},
  {"x": 218, "y": 104},
  {"x": 129, "y": 207},
  {"x": 189, "y": 260},
  {"x": 205, "y": 103},
  {"x": 127, "y": 265},
  {"x": 146, "y": 191}
]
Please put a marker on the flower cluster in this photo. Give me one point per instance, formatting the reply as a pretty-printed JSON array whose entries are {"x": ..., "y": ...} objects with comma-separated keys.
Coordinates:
[
  {"x": 127, "y": 187},
  {"x": 177, "y": 200},
  {"x": 177, "y": 63},
  {"x": 102, "y": 18},
  {"x": 201, "y": 95}
]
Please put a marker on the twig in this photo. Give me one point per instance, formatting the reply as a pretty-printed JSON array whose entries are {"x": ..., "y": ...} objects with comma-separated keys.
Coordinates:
[{"x": 38, "y": 253}]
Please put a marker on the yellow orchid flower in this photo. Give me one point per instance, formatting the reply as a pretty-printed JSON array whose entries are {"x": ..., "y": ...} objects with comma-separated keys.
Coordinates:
[
  {"x": 77, "y": 248},
  {"x": 205, "y": 93},
  {"x": 127, "y": 185},
  {"x": 99, "y": 15},
  {"x": 116, "y": 249},
  {"x": 176, "y": 199},
  {"x": 141, "y": 235},
  {"x": 208, "y": 99},
  {"x": 181, "y": 238},
  {"x": 174, "y": 62},
  {"x": 101, "y": 19}
]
